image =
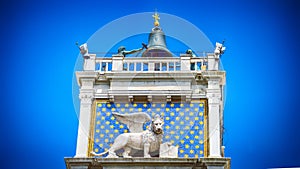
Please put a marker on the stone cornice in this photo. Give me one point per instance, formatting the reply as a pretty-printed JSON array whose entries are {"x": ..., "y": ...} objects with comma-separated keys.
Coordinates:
[
  {"x": 124, "y": 75},
  {"x": 151, "y": 75},
  {"x": 86, "y": 75},
  {"x": 147, "y": 162},
  {"x": 215, "y": 75}
]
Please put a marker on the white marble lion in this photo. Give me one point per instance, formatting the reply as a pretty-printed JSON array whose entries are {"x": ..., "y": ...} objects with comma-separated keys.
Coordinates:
[{"x": 148, "y": 140}]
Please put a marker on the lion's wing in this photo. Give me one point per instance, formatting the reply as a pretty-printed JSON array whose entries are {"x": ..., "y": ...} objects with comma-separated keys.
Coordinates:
[{"x": 134, "y": 121}]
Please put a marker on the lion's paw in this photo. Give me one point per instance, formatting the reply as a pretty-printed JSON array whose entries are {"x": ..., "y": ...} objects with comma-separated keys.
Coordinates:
[{"x": 147, "y": 156}]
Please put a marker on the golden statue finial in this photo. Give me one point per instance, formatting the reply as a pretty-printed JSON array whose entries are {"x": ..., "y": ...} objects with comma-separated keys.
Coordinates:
[{"x": 156, "y": 18}]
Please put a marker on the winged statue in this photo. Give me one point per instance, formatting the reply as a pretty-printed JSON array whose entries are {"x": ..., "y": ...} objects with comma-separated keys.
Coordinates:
[
  {"x": 148, "y": 140},
  {"x": 134, "y": 121}
]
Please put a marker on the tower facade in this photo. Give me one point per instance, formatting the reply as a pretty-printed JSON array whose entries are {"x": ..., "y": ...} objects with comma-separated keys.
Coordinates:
[{"x": 186, "y": 90}]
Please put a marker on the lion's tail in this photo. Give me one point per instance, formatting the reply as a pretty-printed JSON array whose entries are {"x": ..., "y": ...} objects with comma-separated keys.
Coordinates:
[{"x": 100, "y": 154}]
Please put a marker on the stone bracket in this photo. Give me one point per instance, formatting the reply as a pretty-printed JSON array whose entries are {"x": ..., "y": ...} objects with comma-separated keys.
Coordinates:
[{"x": 149, "y": 98}]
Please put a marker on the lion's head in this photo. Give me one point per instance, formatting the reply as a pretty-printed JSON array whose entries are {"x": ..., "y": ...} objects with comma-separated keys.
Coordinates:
[{"x": 156, "y": 125}]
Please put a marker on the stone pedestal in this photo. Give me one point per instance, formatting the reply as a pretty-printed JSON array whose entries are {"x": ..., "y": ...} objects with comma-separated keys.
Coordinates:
[
  {"x": 89, "y": 64},
  {"x": 147, "y": 163},
  {"x": 213, "y": 62},
  {"x": 117, "y": 63},
  {"x": 185, "y": 62}
]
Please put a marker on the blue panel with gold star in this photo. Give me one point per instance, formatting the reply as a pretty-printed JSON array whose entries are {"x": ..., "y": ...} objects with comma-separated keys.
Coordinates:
[{"x": 184, "y": 125}]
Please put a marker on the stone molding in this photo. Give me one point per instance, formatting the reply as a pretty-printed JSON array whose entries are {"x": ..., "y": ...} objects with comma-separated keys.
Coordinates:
[{"x": 147, "y": 163}]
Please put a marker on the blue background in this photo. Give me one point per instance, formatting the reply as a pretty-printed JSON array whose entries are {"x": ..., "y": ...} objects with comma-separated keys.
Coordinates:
[
  {"x": 38, "y": 121},
  {"x": 183, "y": 125}
]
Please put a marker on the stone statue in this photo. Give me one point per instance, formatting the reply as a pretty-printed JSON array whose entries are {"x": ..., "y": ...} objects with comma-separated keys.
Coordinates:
[
  {"x": 84, "y": 50},
  {"x": 190, "y": 52},
  {"x": 219, "y": 50},
  {"x": 134, "y": 121},
  {"x": 156, "y": 18},
  {"x": 148, "y": 140},
  {"x": 122, "y": 51}
]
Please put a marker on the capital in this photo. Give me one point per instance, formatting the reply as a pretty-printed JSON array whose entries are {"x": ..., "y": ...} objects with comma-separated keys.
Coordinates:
[{"x": 86, "y": 98}]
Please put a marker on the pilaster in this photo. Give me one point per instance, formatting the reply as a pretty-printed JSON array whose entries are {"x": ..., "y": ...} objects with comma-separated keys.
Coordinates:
[
  {"x": 86, "y": 100},
  {"x": 214, "y": 97}
]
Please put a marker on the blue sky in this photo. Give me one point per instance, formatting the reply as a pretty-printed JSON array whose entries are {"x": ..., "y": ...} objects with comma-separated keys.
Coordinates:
[{"x": 38, "y": 120}]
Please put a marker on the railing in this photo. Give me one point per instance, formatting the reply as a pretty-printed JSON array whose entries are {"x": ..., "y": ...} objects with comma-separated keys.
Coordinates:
[
  {"x": 149, "y": 64},
  {"x": 198, "y": 64},
  {"x": 103, "y": 64}
]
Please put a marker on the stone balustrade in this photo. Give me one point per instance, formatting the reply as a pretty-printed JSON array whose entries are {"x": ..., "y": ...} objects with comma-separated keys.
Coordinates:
[{"x": 118, "y": 63}]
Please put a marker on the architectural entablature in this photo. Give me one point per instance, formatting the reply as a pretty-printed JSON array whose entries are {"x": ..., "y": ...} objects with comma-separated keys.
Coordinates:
[
  {"x": 86, "y": 75},
  {"x": 219, "y": 76},
  {"x": 182, "y": 75},
  {"x": 150, "y": 92}
]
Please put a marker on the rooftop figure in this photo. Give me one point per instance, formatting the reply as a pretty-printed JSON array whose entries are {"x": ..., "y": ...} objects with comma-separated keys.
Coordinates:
[{"x": 156, "y": 18}]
